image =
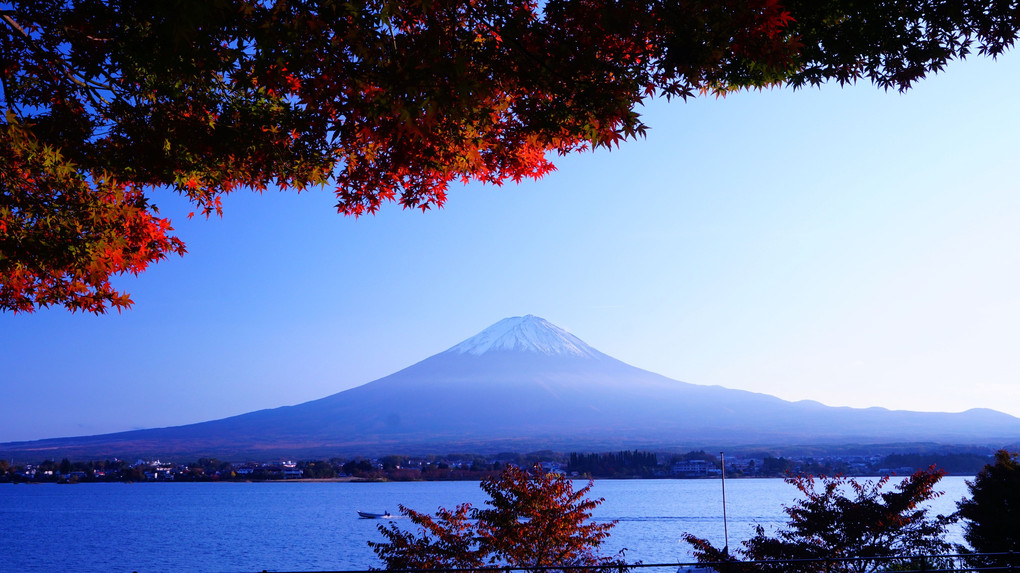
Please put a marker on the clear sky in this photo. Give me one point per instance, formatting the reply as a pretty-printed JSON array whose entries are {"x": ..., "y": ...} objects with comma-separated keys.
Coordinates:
[{"x": 845, "y": 245}]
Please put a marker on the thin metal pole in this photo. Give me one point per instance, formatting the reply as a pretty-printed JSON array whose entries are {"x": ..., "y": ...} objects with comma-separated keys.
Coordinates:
[{"x": 726, "y": 530}]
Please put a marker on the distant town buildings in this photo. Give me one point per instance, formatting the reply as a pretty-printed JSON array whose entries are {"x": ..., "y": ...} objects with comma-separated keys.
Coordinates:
[{"x": 693, "y": 465}]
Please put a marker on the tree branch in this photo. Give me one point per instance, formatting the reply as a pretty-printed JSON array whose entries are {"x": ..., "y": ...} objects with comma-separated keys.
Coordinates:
[{"x": 91, "y": 87}]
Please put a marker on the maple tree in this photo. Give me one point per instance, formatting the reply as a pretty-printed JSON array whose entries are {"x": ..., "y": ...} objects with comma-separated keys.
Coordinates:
[
  {"x": 843, "y": 525},
  {"x": 106, "y": 103},
  {"x": 992, "y": 512},
  {"x": 532, "y": 520}
]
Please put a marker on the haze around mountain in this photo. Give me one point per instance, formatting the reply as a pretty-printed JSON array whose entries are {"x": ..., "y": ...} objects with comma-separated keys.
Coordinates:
[{"x": 524, "y": 384}]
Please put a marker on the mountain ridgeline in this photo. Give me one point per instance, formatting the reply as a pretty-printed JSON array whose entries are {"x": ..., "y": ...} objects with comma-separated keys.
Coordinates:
[{"x": 524, "y": 384}]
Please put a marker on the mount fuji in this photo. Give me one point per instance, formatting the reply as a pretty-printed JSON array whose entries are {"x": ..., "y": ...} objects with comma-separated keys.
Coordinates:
[{"x": 524, "y": 384}]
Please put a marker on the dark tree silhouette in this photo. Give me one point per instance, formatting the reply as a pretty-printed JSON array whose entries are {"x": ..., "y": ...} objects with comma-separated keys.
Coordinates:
[
  {"x": 992, "y": 513},
  {"x": 839, "y": 518}
]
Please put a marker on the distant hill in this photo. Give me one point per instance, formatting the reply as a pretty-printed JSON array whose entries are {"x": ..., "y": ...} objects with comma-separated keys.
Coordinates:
[{"x": 524, "y": 384}]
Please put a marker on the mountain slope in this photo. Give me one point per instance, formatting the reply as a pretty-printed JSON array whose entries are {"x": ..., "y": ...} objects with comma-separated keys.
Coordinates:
[{"x": 525, "y": 384}]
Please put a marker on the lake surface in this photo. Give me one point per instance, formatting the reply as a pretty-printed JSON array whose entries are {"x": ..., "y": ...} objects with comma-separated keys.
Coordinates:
[{"x": 235, "y": 527}]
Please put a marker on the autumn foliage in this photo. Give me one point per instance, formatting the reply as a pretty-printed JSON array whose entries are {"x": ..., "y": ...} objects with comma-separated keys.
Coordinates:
[
  {"x": 532, "y": 519},
  {"x": 69, "y": 234},
  {"x": 107, "y": 103}
]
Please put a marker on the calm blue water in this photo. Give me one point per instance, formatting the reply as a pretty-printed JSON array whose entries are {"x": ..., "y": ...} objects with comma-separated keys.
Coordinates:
[{"x": 235, "y": 527}]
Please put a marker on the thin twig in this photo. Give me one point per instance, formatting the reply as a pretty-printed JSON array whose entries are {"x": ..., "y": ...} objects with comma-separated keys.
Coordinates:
[{"x": 92, "y": 91}]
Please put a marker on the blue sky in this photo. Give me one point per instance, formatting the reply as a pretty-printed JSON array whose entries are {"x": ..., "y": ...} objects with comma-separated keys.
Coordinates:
[{"x": 845, "y": 245}]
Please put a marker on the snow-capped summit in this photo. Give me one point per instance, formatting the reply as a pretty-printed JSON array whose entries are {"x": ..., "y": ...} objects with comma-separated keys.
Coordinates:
[
  {"x": 525, "y": 385},
  {"x": 525, "y": 334}
]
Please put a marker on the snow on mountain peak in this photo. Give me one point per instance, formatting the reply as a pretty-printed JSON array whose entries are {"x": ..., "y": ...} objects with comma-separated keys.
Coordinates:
[{"x": 525, "y": 334}]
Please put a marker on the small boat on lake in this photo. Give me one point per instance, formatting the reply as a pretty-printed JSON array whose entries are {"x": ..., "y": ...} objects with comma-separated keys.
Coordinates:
[{"x": 367, "y": 515}]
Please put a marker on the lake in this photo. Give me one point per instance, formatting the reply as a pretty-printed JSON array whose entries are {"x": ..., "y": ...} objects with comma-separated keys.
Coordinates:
[{"x": 313, "y": 526}]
